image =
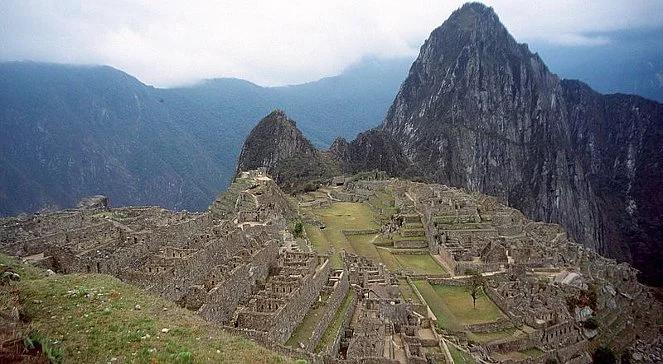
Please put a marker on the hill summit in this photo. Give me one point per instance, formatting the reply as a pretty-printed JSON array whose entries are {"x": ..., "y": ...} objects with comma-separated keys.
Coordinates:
[
  {"x": 277, "y": 145},
  {"x": 479, "y": 110}
]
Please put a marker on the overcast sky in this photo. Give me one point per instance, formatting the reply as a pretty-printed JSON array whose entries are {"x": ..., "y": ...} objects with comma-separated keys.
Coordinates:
[{"x": 166, "y": 43}]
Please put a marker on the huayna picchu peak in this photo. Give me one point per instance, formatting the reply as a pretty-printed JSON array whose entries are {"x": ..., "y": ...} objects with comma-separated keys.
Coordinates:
[
  {"x": 480, "y": 111},
  {"x": 498, "y": 213},
  {"x": 277, "y": 145}
]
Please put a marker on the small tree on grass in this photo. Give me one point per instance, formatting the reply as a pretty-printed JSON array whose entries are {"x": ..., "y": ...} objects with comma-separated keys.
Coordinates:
[
  {"x": 298, "y": 229},
  {"x": 475, "y": 285},
  {"x": 604, "y": 355}
]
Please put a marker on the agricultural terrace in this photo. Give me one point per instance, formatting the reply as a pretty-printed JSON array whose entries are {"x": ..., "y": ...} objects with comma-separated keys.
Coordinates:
[{"x": 354, "y": 216}]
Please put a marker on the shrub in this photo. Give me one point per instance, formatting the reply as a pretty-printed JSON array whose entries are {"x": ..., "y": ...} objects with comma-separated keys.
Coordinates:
[
  {"x": 604, "y": 355},
  {"x": 591, "y": 324},
  {"x": 298, "y": 229}
]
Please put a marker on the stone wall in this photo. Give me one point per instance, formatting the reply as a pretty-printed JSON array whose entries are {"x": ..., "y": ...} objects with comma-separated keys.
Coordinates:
[
  {"x": 332, "y": 349},
  {"x": 499, "y": 325},
  {"x": 336, "y": 295},
  {"x": 411, "y": 244},
  {"x": 281, "y": 322},
  {"x": 237, "y": 285},
  {"x": 361, "y": 232}
]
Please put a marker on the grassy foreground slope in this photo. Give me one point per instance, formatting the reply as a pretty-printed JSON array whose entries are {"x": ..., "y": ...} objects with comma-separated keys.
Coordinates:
[{"x": 94, "y": 318}]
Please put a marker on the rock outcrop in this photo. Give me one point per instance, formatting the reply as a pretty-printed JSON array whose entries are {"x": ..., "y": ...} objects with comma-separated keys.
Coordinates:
[
  {"x": 372, "y": 150},
  {"x": 278, "y": 146},
  {"x": 481, "y": 111}
]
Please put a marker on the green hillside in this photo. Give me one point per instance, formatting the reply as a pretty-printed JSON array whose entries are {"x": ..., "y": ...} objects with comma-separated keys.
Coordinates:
[{"x": 94, "y": 318}]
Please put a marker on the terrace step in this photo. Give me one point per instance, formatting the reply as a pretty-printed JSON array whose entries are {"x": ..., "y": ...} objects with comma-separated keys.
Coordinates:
[
  {"x": 412, "y": 232},
  {"x": 410, "y": 244}
]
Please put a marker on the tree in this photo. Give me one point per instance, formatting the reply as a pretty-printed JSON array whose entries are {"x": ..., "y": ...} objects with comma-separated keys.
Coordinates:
[
  {"x": 591, "y": 324},
  {"x": 604, "y": 355},
  {"x": 298, "y": 229},
  {"x": 475, "y": 285}
]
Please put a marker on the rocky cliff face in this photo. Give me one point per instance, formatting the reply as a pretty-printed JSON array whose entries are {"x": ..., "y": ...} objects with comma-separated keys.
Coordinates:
[
  {"x": 372, "y": 150},
  {"x": 279, "y": 146},
  {"x": 479, "y": 110}
]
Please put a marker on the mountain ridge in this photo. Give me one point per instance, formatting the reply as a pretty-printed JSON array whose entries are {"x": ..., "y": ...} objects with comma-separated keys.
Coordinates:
[
  {"x": 189, "y": 139},
  {"x": 479, "y": 110}
]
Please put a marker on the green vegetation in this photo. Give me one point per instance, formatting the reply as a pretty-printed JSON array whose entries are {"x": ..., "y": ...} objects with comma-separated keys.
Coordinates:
[
  {"x": 475, "y": 286},
  {"x": 486, "y": 337},
  {"x": 298, "y": 229},
  {"x": 406, "y": 291},
  {"x": 445, "y": 318},
  {"x": 321, "y": 244},
  {"x": 304, "y": 173},
  {"x": 383, "y": 205},
  {"x": 420, "y": 264},
  {"x": 365, "y": 245},
  {"x": 457, "y": 299},
  {"x": 51, "y": 352},
  {"x": 113, "y": 215},
  {"x": 460, "y": 357},
  {"x": 532, "y": 352},
  {"x": 362, "y": 216},
  {"x": 332, "y": 330},
  {"x": 305, "y": 328},
  {"x": 340, "y": 216},
  {"x": 347, "y": 216},
  {"x": 453, "y": 308},
  {"x": 93, "y": 318}
]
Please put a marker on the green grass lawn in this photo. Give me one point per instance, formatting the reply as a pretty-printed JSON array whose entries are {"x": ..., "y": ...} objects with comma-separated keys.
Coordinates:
[
  {"x": 305, "y": 328},
  {"x": 365, "y": 245},
  {"x": 521, "y": 355},
  {"x": 342, "y": 216},
  {"x": 453, "y": 306},
  {"x": 420, "y": 264},
  {"x": 347, "y": 216},
  {"x": 459, "y": 302},
  {"x": 445, "y": 317},
  {"x": 321, "y": 244},
  {"x": 532, "y": 352},
  {"x": 406, "y": 291},
  {"x": 383, "y": 205},
  {"x": 460, "y": 357},
  {"x": 360, "y": 216},
  {"x": 389, "y": 259},
  {"x": 93, "y": 318}
]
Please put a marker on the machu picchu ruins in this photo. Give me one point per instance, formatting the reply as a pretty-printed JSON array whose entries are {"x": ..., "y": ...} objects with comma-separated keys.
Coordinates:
[
  {"x": 266, "y": 192},
  {"x": 378, "y": 272}
]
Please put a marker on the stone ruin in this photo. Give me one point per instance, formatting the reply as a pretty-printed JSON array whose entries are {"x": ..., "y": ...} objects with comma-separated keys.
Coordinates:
[
  {"x": 208, "y": 264},
  {"x": 549, "y": 287},
  {"x": 286, "y": 296},
  {"x": 238, "y": 265},
  {"x": 383, "y": 327}
]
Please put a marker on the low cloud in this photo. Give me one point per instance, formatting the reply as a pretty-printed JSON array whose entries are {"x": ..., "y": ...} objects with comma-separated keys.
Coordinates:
[
  {"x": 275, "y": 42},
  {"x": 570, "y": 39}
]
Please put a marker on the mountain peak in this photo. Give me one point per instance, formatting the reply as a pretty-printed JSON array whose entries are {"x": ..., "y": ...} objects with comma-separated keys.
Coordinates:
[
  {"x": 474, "y": 8},
  {"x": 474, "y": 17},
  {"x": 279, "y": 117},
  {"x": 289, "y": 157},
  {"x": 479, "y": 110}
]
